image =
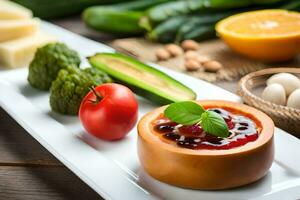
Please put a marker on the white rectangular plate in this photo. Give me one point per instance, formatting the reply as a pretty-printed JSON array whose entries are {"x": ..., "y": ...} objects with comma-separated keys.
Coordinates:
[{"x": 112, "y": 169}]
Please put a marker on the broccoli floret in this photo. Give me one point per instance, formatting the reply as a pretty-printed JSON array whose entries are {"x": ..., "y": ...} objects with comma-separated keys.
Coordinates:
[
  {"x": 71, "y": 86},
  {"x": 47, "y": 62}
]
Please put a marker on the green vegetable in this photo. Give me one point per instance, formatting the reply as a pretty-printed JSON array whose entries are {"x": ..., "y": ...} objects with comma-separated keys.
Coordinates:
[
  {"x": 203, "y": 32},
  {"x": 120, "y": 18},
  {"x": 166, "y": 31},
  {"x": 200, "y": 27},
  {"x": 47, "y": 62},
  {"x": 178, "y": 28},
  {"x": 59, "y": 8},
  {"x": 189, "y": 113},
  {"x": 114, "y": 21},
  {"x": 141, "y": 78},
  {"x": 71, "y": 86},
  {"x": 137, "y": 5},
  {"x": 293, "y": 5},
  {"x": 164, "y": 11}
]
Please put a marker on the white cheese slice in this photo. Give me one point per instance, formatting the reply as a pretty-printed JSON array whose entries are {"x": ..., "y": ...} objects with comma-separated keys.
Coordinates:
[
  {"x": 15, "y": 28},
  {"x": 11, "y": 10},
  {"x": 20, "y": 52}
]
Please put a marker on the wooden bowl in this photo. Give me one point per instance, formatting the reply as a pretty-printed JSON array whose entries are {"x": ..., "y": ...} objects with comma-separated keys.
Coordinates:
[
  {"x": 204, "y": 168},
  {"x": 250, "y": 88}
]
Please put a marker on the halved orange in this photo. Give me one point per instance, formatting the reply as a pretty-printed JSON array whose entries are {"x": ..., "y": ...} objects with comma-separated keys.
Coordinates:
[{"x": 267, "y": 35}]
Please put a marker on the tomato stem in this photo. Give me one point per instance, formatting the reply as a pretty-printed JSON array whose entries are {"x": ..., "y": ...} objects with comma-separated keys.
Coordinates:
[{"x": 98, "y": 96}]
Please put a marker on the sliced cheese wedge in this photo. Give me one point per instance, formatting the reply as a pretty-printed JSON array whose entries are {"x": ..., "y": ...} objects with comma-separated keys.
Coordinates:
[
  {"x": 15, "y": 28},
  {"x": 11, "y": 10},
  {"x": 20, "y": 52}
]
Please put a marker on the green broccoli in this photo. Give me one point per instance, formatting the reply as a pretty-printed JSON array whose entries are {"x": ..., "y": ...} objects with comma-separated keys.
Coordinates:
[
  {"x": 70, "y": 87},
  {"x": 47, "y": 62}
]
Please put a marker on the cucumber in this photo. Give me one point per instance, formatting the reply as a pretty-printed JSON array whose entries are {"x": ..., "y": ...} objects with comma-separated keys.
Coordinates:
[
  {"x": 114, "y": 21},
  {"x": 293, "y": 5},
  {"x": 200, "y": 27},
  {"x": 166, "y": 31},
  {"x": 144, "y": 80},
  {"x": 200, "y": 33},
  {"x": 59, "y": 8},
  {"x": 120, "y": 18},
  {"x": 183, "y": 27},
  {"x": 162, "y": 12},
  {"x": 139, "y": 5}
]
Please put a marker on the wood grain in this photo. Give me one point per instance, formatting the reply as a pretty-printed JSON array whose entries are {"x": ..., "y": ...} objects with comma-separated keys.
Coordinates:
[
  {"x": 29, "y": 171},
  {"x": 17, "y": 147},
  {"x": 40, "y": 183}
]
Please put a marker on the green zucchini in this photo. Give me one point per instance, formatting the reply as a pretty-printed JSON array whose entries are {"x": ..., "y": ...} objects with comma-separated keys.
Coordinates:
[
  {"x": 139, "y": 5},
  {"x": 160, "y": 13},
  {"x": 200, "y": 33},
  {"x": 114, "y": 21},
  {"x": 183, "y": 27},
  {"x": 200, "y": 26},
  {"x": 293, "y": 5},
  {"x": 166, "y": 31},
  {"x": 59, "y": 8},
  {"x": 144, "y": 80},
  {"x": 120, "y": 18}
]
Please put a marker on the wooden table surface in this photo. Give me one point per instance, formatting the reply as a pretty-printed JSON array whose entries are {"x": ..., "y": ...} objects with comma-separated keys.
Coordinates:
[{"x": 27, "y": 170}]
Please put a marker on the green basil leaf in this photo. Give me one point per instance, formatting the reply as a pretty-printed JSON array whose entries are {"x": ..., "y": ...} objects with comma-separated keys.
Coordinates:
[
  {"x": 185, "y": 112},
  {"x": 214, "y": 124}
]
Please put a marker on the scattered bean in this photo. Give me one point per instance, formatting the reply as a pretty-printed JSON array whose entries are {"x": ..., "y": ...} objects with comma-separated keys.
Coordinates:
[
  {"x": 193, "y": 61},
  {"x": 192, "y": 65},
  {"x": 190, "y": 55},
  {"x": 162, "y": 54},
  {"x": 203, "y": 59},
  {"x": 189, "y": 45},
  {"x": 212, "y": 66},
  {"x": 174, "y": 50}
]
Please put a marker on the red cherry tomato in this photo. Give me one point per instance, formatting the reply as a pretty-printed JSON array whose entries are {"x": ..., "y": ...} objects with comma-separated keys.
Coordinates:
[{"x": 109, "y": 112}]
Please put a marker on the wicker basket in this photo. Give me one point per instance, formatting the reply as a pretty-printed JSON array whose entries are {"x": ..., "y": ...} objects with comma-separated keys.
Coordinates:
[{"x": 284, "y": 117}]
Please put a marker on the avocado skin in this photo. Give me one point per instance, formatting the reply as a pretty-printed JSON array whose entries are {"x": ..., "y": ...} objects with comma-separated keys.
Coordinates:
[{"x": 159, "y": 98}]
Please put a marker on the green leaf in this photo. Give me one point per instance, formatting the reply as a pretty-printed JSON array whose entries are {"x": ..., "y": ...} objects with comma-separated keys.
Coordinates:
[
  {"x": 185, "y": 113},
  {"x": 214, "y": 124}
]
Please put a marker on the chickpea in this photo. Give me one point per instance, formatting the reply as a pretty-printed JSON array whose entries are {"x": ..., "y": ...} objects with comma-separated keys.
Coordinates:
[
  {"x": 174, "y": 50},
  {"x": 192, "y": 65},
  {"x": 212, "y": 66},
  {"x": 202, "y": 59},
  {"x": 189, "y": 45},
  {"x": 190, "y": 55},
  {"x": 162, "y": 54}
]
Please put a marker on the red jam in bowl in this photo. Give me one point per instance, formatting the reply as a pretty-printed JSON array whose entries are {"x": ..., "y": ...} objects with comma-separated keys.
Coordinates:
[{"x": 242, "y": 131}]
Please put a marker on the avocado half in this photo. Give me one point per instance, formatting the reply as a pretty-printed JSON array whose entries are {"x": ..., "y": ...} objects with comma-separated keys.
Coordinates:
[{"x": 143, "y": 79}]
